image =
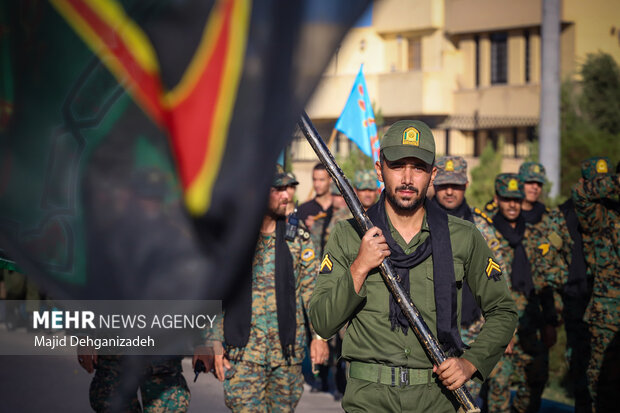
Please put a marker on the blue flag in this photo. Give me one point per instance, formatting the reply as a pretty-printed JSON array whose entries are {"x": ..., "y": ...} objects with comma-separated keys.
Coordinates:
[{"x": 357, "y": 119}]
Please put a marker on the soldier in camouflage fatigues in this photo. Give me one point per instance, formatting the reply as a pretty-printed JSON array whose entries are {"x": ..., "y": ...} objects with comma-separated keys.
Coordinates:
[
  {"x": 163, "y": 388},
  {"x": 450, "y": 185},
  {"x": 365, "y": 185},
  {"x": 264, "y": 377},
  {"x": 562, "y": 260},
  {"x": 526, "y": 356},
  {"x": 597, "y": 206}
]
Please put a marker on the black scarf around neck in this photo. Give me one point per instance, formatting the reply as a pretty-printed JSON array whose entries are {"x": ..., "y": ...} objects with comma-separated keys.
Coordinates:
[
  {"x": 534, "y": 215},
  {"x": 520, "y": 275},
  {"x": 577, "y": 283},
  {"x": 443, "y": 272},
  {"x": 470, "y": 311},
  {"x": 462, "y": 211},
  {"x": 238, "y": 313}
]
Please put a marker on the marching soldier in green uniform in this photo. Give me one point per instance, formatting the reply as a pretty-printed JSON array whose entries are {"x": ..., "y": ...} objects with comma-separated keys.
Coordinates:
[
  {"x": 389, "y": 369},
  {"x": 527, "y": 354},
  {"x": 450, "y": 185},
  {"x": 596, "y": 202},
  {"x": 263, "y": 328}
]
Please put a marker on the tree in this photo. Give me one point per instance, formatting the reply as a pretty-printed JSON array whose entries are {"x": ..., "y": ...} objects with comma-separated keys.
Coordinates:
[
  {"x": 482, "y": 186},
  {"x": 590, "y": 125}
]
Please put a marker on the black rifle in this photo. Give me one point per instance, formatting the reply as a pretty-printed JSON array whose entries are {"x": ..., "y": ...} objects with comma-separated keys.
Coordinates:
[{"x": 419, "y": 327}]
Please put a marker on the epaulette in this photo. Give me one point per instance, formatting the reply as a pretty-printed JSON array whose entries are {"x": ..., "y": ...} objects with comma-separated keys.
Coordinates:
[
  {"x": 478, "y": 212},
  {"x": 547, "y": 209}
]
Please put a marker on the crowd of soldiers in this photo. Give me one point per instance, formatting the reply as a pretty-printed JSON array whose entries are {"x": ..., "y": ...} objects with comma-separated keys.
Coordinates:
[{"x": 559, "y": 266}]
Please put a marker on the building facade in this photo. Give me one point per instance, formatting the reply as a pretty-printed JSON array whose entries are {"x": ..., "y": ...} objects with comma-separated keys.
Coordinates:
[{"x": 469, "y": 68}]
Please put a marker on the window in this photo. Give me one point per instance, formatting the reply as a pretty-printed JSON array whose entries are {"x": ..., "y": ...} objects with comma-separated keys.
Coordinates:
[
  {"x": 414, "y": 54},
  {"x": 499, "y": 58},
  {"x": 526, "y": 36},
  {"x": 477, "y": 58}
]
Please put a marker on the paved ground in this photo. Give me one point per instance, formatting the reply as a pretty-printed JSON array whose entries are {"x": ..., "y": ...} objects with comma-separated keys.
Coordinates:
[{"x": 58, "y": 384}]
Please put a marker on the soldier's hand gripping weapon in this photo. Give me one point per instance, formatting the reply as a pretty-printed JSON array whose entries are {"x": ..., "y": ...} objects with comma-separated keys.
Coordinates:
[{"x": 419, "y": 327}]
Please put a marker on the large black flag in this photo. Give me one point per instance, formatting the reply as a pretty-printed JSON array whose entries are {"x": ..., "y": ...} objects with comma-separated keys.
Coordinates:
[{"x": 137, "y": 139}]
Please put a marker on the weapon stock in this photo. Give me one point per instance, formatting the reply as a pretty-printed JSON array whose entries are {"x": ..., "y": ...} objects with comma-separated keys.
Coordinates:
[{"x": 419, "y": 327}]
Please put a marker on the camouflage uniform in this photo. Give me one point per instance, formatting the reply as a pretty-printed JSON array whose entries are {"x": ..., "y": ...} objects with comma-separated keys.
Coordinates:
[
  {"x": 529, "y": 360},
  {"x": 362, "y": 180},
  {"x": 484, "y": 223},
  {"x": 596, "y": 203},
  {"x": 263, "y": 379},
  {"x": 571, "y": 299},
  {"x": 162, "y": 388},
  {"x": 453, "y": 170}
]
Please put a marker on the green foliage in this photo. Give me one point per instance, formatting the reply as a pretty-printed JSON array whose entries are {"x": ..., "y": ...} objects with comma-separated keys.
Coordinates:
[
  {"x": 354, "y": 162},
  {"x": 600, "y": 100},
  {"x": 482, "y": 186},
  {"x": 590, "y": 125}
]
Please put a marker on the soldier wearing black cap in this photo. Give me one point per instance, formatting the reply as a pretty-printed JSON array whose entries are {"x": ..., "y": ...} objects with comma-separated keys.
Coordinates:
[{"x": 389, "y": 369}]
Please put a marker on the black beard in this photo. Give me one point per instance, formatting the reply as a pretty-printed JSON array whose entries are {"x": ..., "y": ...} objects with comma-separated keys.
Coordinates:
[{"x": 398, "y": 207}]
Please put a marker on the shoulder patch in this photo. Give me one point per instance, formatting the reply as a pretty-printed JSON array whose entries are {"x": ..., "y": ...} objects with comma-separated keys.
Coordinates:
[
  {"x": 555, "y": 239},
  {"x": 544, "y": 248},
  {"x": 493, "y": 270},
  {"x": 307, "y": 254},
  {"x": 493, "y": 244},
  {"x": 326, "y": 265}
]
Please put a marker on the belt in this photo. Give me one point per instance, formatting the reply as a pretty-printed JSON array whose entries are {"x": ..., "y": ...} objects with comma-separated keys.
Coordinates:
[{"x": 391, "y": 376}]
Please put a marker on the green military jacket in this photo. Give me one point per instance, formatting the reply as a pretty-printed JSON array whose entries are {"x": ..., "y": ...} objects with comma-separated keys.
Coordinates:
[{"x": 369, "y": 337}]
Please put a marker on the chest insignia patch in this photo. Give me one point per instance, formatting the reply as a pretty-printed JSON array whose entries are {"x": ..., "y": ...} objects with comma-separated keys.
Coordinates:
[
  {"x": 326, "y": 265},
  {"x": 493, "y": 270},
  {"x": 544, "y": 248},
  {"x": 307, "y": 254}
]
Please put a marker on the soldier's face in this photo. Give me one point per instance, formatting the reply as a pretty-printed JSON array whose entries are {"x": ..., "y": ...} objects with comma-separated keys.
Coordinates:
[
  {"x": 450, "y": 196},
  {"x": 321, "y": 181},
  {"x": 367, "y": 197},
  {"x": 338, "y": 202},
  {"x": 290, "y": 189},
  {"x": 532, "y": 191},
  {"x": 510, "y": 208},
  {"x": 278, "y": 198},
  {"x": 406, "y": 182}
]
